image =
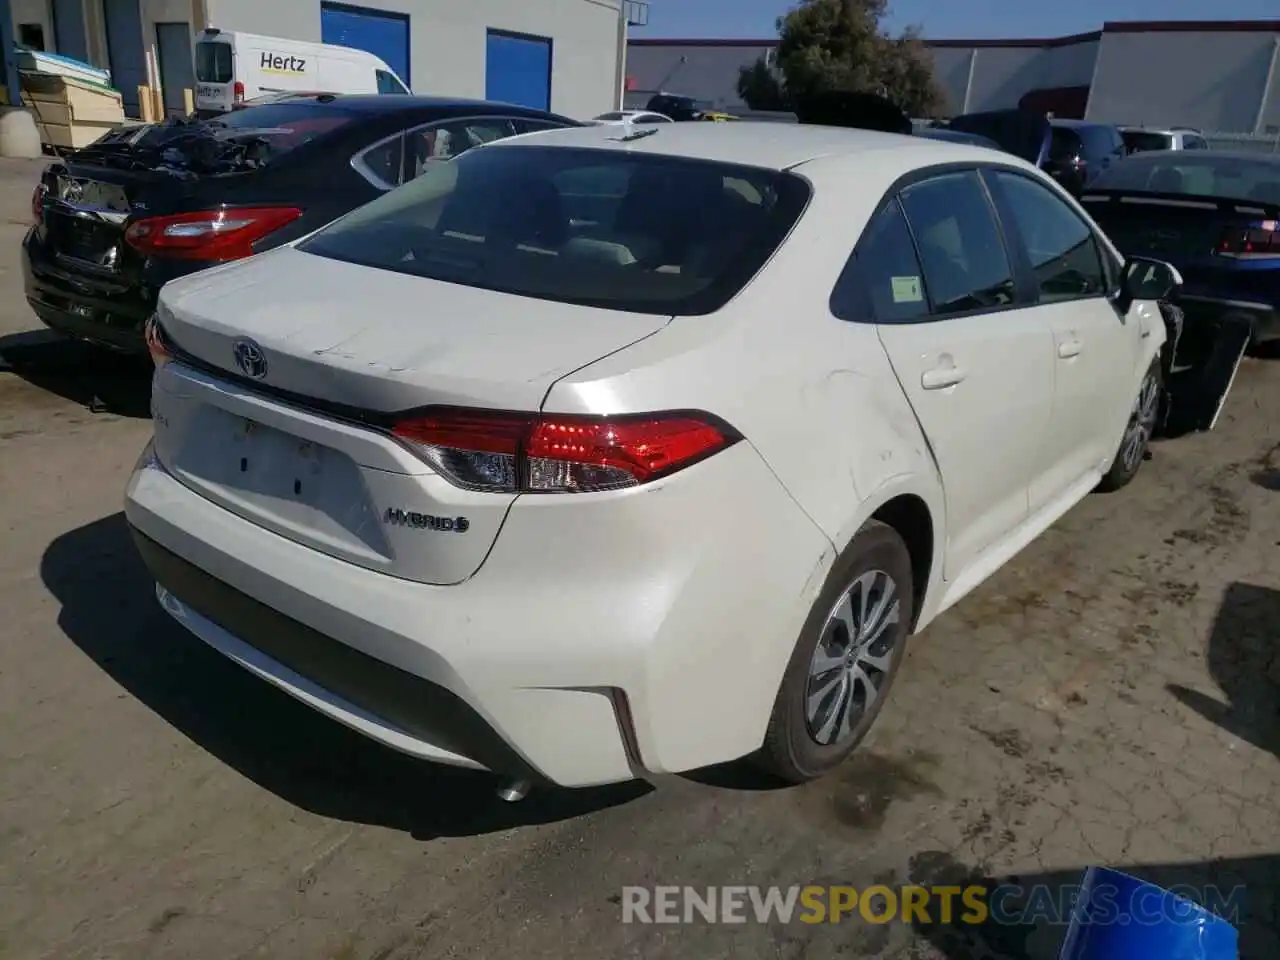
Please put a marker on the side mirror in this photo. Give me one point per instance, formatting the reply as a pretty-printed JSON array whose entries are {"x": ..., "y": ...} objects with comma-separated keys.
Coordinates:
[{"x": 1146, "y": 279}]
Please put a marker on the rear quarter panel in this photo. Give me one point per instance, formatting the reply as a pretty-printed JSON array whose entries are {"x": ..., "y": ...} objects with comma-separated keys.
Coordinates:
[{"x": 814, "y": 395}]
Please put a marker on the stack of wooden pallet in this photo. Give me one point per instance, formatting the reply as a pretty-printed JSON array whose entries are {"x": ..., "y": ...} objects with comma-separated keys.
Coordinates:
[{"x": 71, "y": 112}]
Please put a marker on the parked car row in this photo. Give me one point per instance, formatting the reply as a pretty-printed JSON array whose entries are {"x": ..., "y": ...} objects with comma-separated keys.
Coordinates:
[
  {"x": 411, "y": 427},
  {"x": 118, "y": 220}
]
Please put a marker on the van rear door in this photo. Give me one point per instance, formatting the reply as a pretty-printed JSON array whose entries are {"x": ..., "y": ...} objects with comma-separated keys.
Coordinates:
[{"x": 215, "y": 74}]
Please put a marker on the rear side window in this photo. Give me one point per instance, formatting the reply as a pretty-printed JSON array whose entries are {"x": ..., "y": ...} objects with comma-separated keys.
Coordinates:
[
  {"x": 1063, "y": 252},
  {"x": 1064, "y": 144},
  {"x": 1190, "y": 142},
  {"x": 961, "y": 248},
  {"x": 884, "y": 270},
  {"x": 1140, "y": 141},
  {"x": 213, "y": 62},
  {"x": 636, "y": 232}
]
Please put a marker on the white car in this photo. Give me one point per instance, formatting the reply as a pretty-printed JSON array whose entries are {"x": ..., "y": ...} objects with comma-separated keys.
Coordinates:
[
  {"x": 641, "y": 117},
  {"x": 586, "y": 457}
]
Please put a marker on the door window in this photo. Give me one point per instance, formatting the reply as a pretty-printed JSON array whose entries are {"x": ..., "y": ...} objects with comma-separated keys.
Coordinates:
[
  {"x": 883, "y": 277},
  {"x": 1190, "y": 142},
  {"x": 387, "y": 83},
  {"x": 961, "y": 249},
  {"x": 1063, "y": 251},
  {"x": 444, "y": 141}
]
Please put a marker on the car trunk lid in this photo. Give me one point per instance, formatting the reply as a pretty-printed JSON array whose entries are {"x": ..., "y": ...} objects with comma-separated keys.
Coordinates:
[
  {"x": 1185, "y": 229},
  {"x": 284, "y": 416}
]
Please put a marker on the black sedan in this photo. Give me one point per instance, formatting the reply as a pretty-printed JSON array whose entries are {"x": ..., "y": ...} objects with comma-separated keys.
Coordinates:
[{"x": 117, "y": 219}]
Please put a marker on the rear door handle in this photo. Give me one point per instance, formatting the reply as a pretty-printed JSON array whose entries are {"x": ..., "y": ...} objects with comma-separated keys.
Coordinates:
[
  {"x": 1068, "y": 349},
  {"x": 939, "y": 378}
]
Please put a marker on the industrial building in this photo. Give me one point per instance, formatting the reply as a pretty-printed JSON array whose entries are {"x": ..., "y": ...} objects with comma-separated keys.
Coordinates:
[
  {"x": 1218, "y": 76},
  {"x": 566, "y": 54}
]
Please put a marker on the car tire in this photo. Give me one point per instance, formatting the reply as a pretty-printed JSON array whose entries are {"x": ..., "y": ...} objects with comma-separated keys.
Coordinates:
[
  {"x": 1144, "y": 417},
  {"x": 823, "y": 709}
]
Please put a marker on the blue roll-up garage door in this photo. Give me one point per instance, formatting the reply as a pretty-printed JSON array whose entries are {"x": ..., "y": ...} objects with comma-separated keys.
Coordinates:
[
  {"x": 124, "y": 50},
  {"x": 517, "y": 69},
  {"x": 385, "y": 35}
]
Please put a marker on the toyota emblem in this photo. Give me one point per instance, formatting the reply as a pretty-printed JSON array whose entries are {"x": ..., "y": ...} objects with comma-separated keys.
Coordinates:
[{"x": 250, "y": 359}]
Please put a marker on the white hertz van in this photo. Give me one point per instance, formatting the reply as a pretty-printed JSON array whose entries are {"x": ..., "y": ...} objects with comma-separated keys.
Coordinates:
[{"x": 233, "y": 67}]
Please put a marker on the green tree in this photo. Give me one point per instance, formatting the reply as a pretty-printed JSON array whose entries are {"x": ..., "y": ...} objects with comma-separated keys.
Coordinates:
[
  {"x": 760, "y": 87},
  {"x": 826, "y": 45}
]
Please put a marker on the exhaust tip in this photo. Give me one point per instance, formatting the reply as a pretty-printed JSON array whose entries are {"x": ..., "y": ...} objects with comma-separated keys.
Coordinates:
[{"x": 513, "y": 791}]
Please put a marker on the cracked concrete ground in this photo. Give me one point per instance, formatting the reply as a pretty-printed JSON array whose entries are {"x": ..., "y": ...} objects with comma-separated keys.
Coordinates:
[{"x": 1110, "y": 697}]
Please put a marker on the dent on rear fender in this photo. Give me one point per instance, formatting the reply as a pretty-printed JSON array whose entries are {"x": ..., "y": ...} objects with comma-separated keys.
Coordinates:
[{"x": 886, "y": 437}]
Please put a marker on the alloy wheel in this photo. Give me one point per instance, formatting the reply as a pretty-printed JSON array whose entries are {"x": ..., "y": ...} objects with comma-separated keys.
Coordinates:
[
  {"x": 852, "y": 658},
  {"x": 1141, "y": 422}
]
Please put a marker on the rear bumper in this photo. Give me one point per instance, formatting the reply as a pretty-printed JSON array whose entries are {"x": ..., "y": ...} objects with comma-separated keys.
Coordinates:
[
  {"x": 110, "y": 311},
  {"x": 575, "y": 656}
]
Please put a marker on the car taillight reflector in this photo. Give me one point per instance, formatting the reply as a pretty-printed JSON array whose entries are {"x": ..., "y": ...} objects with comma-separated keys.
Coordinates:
[
  {"x": 208, "y": 234},
  {"x": 37, "y": 203},
  {"x": 156, "y": 344},
  {"x": 552, "y": 453},
  {"x": 1251, "y": 240},
  {"x": 237, "y": 92}
]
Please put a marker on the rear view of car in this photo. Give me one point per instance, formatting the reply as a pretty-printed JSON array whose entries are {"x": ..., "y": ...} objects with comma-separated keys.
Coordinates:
[
  {"x": 1081, "y": 151},
  {"x": 1214, "y": 215},
  {"x": 368, "y": 443}
]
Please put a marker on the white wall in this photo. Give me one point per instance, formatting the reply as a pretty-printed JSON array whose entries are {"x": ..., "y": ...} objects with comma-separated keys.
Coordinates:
[
  {"x": 34, "y": 11},
  {"x": 447, "y": 41},
  {"x": 1214, "y": 81}
]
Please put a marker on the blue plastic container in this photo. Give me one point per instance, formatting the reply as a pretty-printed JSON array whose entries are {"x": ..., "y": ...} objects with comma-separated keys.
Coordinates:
[{"x": 1119, "y": 917}]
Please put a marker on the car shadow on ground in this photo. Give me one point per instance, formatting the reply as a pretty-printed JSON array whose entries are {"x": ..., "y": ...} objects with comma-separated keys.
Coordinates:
[
  {"x": 93, "y": 377},
  {"x": 110, "y": 612},
  {"x": 1244, "y": 662}
]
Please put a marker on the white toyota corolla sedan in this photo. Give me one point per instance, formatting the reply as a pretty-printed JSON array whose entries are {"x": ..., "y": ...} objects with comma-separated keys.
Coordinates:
[{"x": 600, "y": 453}]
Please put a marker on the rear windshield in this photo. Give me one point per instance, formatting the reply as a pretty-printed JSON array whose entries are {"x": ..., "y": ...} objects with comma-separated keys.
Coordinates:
[
  {"x": 1195, "y": 174},
  {"x": 643, "y": 233},
  {"x": 213, "y": 62},
  {"x": 1137, "y": 141},
  {"x": 1065, "y": 144},
  {"x": 615, "y": 115},
  {"x": 284, "y": 126}
]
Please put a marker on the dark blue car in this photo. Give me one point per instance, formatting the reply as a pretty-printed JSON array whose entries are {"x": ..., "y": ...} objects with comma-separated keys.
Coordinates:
[{"x": 1213, "y": 215}]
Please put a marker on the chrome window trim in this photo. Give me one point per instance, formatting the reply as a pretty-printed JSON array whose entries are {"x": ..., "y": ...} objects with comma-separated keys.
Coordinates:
[{"x": 358, "y": 162}]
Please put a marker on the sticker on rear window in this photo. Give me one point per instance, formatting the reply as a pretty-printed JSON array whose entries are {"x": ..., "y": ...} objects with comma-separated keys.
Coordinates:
[{"x": 906, "y": 290}]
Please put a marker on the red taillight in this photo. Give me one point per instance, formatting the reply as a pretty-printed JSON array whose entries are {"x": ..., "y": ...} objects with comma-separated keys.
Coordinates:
[
  {"x": 208, "y": 234},
  {"x": 1250, "y": 240},
  {"x": 237, "y": 92},
  {"x": 37, "y": 202},
  {"x": 156, "y": 344},
  {"x": 552, "y": 453}
]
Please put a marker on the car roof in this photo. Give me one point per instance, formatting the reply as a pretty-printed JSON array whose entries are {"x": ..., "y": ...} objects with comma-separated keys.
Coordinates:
[{"x": 773, "y": 146}]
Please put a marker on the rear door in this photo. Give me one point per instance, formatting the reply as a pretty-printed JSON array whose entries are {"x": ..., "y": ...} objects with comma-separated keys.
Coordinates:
[
  {"x": 974, "y": 359},
  {"x": 215, "y": 74},
  {"x": 1096, "y": 349}
]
